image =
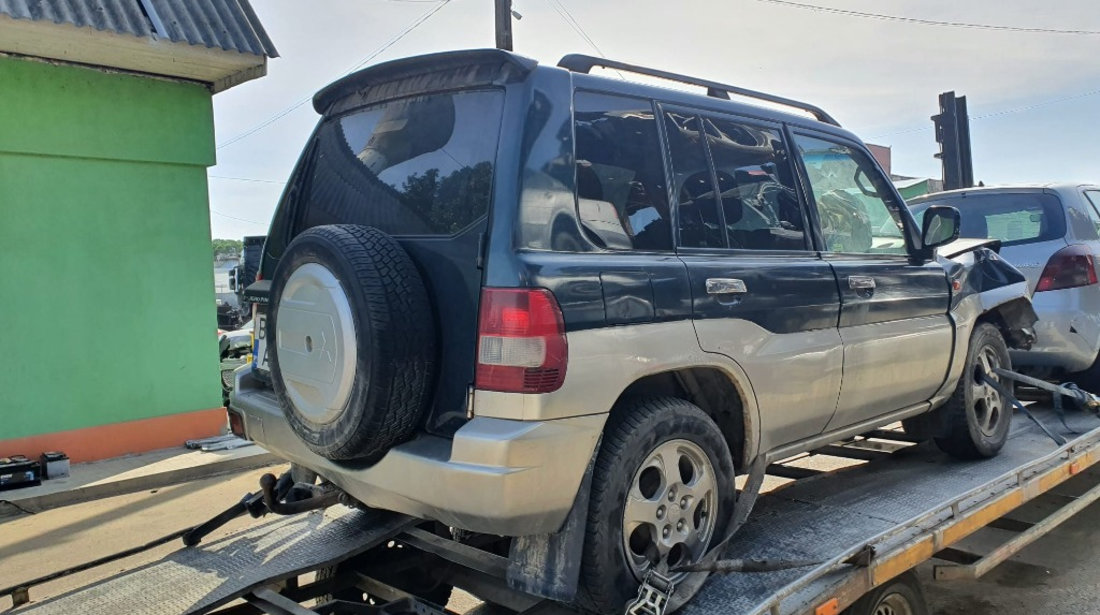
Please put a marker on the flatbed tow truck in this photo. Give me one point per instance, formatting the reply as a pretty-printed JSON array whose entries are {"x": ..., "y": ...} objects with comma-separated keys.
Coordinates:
[{"x": 814, "y": 545}]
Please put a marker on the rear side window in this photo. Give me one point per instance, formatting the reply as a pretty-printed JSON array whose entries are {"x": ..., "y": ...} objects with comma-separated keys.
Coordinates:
[
  {"x": 760, "y": 206},
  {"x": 746, "y": 200},
  {"x": 1013, "y": 217},
  {"x": 621, "y": 194},
  {"x": 693, "y": 185},
  {"x": 416, "y": 166}
]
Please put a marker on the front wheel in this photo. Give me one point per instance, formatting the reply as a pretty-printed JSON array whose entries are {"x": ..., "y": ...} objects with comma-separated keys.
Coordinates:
[
  {"x": 977, "y": 418},
  {"x": 662, "y": 494}
]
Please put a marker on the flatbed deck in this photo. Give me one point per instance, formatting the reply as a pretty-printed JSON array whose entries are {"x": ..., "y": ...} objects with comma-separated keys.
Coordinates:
[{"x": 863, "y": 525}]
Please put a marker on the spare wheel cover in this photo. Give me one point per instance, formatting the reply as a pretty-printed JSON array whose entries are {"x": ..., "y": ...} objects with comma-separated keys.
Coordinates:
[{"x": 315, "y": 331}]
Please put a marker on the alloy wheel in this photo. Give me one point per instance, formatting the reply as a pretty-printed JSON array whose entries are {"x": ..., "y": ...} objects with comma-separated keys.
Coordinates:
[
  {"x": 671, "y": 507},
  {"x": 989, "y": 404}
]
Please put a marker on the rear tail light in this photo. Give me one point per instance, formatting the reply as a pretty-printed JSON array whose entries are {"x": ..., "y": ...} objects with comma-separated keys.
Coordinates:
[
  {"x": 1070, "y": 267},
  {"x": 521, "y": 345}
]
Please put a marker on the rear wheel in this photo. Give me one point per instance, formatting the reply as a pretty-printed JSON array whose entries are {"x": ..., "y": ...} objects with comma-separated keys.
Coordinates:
[
  {"x": 662, "y": 493},
  {"x": 901, "y": 596},
  {"x": 977, "y": 418}
]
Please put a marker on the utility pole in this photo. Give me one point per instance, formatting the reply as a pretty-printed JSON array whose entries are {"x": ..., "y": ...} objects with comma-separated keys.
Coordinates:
[
  {"x": 504, "y": 24},
  {"x": 953, "y": 134}
]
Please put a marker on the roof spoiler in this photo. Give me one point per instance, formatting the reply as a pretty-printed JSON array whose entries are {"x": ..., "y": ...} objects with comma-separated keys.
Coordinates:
[
  {"x": 583, "y": 64},
  {"x": 396, "y": 69}
]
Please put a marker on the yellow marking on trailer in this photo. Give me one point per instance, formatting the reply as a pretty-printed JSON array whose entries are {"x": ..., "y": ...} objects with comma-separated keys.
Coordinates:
[
  {"x": 975, "y": 521},
  {"x": 908, "y": 558}
]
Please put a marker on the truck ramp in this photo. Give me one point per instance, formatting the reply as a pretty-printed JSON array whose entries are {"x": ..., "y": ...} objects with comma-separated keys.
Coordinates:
[
  {"x": 893, "y": 513},
  {"x": 195, "y": 580},
  {"x": 861, "y": 526}
]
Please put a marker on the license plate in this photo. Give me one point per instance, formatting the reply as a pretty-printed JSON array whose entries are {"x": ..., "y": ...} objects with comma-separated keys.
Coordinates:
[{"x": 259, "y": 349}]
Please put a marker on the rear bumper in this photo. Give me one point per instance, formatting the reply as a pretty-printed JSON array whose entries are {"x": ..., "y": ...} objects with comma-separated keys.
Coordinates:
[
  {"x": 497, "y": 476},
  {"x": 1067, "y": 334}
]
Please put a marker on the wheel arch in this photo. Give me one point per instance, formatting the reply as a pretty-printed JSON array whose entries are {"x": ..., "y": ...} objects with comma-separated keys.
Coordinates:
[
  {"x": 1014, "y": 319},
  {"x": 718, "y": 393}
]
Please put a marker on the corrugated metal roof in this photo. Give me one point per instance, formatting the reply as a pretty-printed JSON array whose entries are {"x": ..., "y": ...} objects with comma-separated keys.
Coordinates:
[{"x": 230, "y": 25}]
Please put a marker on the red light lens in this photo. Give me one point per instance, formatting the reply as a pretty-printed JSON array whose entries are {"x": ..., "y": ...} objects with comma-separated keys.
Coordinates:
[
  {"x": 521, "y": 341},
  {"x": 1070, "y": 267}
]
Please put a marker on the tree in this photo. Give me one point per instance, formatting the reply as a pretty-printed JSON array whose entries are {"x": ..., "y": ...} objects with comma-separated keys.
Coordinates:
[{"x": 225, "y": 247}]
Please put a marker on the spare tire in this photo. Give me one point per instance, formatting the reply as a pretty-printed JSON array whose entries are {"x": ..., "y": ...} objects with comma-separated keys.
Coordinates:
[{"x": 352, "y": 341}]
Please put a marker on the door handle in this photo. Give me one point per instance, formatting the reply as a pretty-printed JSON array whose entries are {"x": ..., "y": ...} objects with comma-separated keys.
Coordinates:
[
  {"x": 861, "y": 282},
  {"x": 726, "y": 286}
]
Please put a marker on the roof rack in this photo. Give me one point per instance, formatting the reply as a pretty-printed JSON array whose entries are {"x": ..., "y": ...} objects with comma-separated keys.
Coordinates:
[{"x": 579, "y": 63}]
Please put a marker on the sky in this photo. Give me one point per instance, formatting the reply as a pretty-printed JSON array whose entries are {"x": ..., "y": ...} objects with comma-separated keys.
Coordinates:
[{"x": 1033, "y": 96}]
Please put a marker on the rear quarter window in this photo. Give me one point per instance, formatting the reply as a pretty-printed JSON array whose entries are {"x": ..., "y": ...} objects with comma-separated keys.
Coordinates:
[
  {"x": 621, "y": 196},
  {"x": 1015, "y": 218},
  {"x": 415, "y": 166}
]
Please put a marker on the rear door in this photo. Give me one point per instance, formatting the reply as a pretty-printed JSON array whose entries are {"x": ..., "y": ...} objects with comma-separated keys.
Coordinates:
[
  {"x": 893, "y": 312},
  {"x": 760, "y": 294},
  {"x": 420, "y": 169}
]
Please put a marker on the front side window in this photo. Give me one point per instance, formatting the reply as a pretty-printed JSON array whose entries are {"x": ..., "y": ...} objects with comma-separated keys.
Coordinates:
[
  {"x": 416, "y": 166},
  {"x": 858, "y": 212},
  {"x": 621, "y": 193}
]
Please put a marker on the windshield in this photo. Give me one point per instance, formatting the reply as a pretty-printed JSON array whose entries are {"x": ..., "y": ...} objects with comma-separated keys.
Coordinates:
[
  {"x": 416, "y": 166},
  {"x": 1013, "y": 217}
]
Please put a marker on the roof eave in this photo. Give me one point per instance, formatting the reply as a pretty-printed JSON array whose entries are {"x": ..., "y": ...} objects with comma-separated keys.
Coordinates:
[{"x": 218, "y": 68}]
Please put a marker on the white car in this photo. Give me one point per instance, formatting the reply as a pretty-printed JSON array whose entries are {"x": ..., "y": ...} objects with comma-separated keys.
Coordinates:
[{"x": 1051, "y": 233}]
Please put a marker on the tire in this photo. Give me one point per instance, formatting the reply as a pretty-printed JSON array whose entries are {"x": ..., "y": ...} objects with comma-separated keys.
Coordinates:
[
  {"x": 1089, "y": 379},
  {"x": 376, "y": 372},
  {"x": 976, "y": 419},
  {"x": 901, "y": 596},
  {"x": 638, "y": 430}
]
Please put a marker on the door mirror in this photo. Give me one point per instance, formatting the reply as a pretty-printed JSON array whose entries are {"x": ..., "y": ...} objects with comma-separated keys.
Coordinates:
[{"x": 941, "y": 227}]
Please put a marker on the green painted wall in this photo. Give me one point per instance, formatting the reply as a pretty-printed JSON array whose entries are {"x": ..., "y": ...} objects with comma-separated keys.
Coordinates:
[{"x": 106, "y": 283}]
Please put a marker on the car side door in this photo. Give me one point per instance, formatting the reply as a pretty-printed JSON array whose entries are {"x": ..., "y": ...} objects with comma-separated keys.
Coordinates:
[
  {"x": 760, "y": 294},
  {"x": 894, "y": 322}
]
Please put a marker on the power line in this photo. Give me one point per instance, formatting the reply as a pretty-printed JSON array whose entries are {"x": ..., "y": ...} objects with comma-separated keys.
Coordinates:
[
  {"x": 926, "y": 22},
  {"x": 1035, "y": 105},
  {"x": 214, "y": 211},
  {"x": 247, "y": 179},
  {"x": 390, "y": 43},
  {"x": 1002, "y": 112},
  {"x": 573, "y": 23}
]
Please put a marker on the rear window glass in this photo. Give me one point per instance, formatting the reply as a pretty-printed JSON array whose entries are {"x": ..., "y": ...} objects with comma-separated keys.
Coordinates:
[
  {"x": 1012, "y": 217},
  {"x": 417, "y": 166}
]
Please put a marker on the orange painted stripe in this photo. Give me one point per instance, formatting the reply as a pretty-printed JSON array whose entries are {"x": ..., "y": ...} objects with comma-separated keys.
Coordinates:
[
  {"x": 907, "y": 559},
  {"x": 975, "y": 521},
  {"x": 117, "y": 439}
]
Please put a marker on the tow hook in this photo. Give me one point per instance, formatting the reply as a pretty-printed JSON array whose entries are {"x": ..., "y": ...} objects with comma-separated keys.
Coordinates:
[
  {"x": 299, "y": 498},
  {"x": 281, "y": 496}
]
